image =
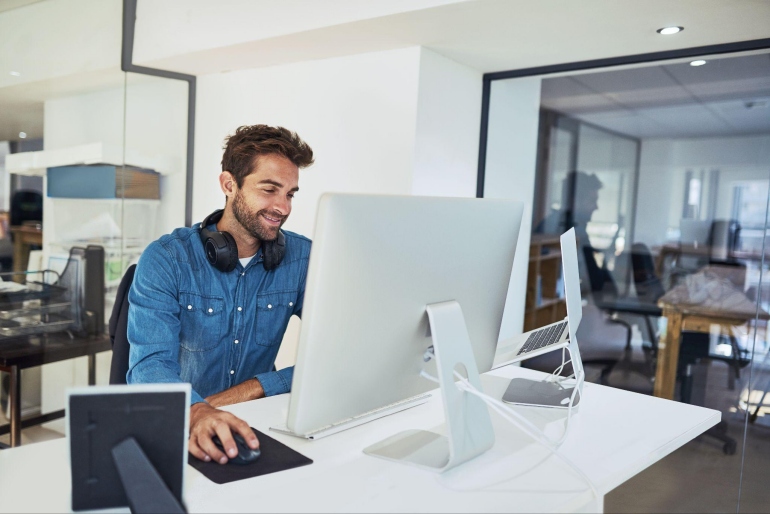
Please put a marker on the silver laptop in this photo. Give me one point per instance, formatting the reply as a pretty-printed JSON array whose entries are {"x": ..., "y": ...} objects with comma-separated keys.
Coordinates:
[{"x": 549, "y": 338}]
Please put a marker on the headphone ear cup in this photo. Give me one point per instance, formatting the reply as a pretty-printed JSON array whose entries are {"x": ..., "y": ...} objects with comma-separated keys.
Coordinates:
[
  {"x": 221, "y": 251},
  {"x": 273, "y": 252},
  {"x": 220, "y": 247}
]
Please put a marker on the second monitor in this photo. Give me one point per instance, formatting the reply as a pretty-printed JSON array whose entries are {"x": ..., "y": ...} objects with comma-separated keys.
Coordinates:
[{"x": 376, "y": 263}]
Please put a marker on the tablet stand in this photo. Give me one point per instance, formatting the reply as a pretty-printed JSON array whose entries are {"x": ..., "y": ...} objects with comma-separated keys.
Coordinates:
[
  {"x": 144, "y": 488},
  {"x": 468, "y": 425}
]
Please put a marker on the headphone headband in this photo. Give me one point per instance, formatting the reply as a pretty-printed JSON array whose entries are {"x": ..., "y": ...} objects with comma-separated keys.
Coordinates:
[{"x": 222, "y": 251}]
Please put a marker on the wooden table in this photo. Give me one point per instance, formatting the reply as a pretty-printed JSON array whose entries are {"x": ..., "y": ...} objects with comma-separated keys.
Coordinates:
[
  {"x": 24, "y": 236},
  {"x": 23, "y": 352},
  {"x": 677, "y": 250},
  {"x": 703, "y": 299}
]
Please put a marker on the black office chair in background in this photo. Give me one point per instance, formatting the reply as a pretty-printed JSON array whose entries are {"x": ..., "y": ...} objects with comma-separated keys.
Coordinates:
[
  {"x": 118, "y": 329},
  {"x": 649, "y": 287},
  {"x": 601, "y": 346},
  {"x": 693, "y": 349}
]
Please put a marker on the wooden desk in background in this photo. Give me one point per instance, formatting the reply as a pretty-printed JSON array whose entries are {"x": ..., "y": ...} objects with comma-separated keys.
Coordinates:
[
  {"x": 710, "y": 299},
  {"x": 23, "y": 237},
  {"x": 19, "y": 353},
  {"x": 677, "y": 250}
]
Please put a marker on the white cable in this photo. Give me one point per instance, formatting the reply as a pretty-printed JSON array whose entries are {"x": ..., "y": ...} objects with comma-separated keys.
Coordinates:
[
  {"x": 529, "y": 427},
  {"x": 517, "y": 419},
  {"x": 558, "y": 370}
]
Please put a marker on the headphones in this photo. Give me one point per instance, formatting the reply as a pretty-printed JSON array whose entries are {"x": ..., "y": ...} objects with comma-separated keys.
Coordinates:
[{"x": 222, "y": 252}]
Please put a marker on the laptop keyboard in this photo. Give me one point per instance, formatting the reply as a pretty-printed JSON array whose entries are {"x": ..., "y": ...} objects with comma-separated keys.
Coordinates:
[{"x": 542, "y": 338}]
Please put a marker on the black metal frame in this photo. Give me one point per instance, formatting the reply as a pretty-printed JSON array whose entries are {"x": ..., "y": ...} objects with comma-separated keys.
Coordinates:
[
  {"x": 127, "y": 65},
  {"x": 727, "y": 48}
]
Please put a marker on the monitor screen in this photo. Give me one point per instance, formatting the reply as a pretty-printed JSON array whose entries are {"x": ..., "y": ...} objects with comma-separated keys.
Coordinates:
[
  {"x": 99, "y": 418},
  {"x": 377, "y": 261}
]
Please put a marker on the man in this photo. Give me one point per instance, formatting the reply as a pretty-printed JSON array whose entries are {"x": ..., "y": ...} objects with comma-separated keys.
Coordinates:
[
  {"x": 579, "y": 200},
  {"x": 215, "y": 318}
]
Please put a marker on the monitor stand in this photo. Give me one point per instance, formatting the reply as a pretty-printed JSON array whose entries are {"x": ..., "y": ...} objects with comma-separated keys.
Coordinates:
[{"x": 468, "y": 425}]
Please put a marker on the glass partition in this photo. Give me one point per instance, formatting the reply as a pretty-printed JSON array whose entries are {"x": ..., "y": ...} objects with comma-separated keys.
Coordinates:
[
  {"x": 663, "y": 170},
  {"x": 92, "y": 161}
]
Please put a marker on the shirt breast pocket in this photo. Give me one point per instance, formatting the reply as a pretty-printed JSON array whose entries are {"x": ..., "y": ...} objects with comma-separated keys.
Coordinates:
[
  {"x": 202, "y": 321},
  {"x": 273, "y": 313}
]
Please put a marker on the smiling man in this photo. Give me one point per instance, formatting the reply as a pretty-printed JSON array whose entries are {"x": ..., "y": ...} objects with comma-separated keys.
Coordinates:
[{"x": 209, "y": 304}]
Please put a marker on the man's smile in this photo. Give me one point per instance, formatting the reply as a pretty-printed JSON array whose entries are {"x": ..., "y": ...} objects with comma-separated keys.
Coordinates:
[{"x": 273, "y": 220}]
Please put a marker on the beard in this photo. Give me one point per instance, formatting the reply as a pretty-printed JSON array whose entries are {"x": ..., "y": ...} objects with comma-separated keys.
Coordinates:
[{"x": 253, "y": 222}]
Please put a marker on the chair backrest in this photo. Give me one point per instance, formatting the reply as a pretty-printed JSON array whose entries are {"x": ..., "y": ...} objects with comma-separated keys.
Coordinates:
[
  {"x": 602, "y": 283},
  {"x": 725, "y": 236},
  {"x": 649, "y": 288},
  {"x": 119, "y": 329},
  {"x": 26, "y": 206}
]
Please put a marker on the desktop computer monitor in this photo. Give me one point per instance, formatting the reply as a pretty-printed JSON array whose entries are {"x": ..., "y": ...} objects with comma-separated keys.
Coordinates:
[
  {"x": 128, "y": 446},
  {"x": 377, "y": 261}
]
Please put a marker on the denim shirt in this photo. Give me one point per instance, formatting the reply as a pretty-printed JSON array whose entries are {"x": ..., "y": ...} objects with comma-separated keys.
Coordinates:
[{"x": 189, "y": 322}]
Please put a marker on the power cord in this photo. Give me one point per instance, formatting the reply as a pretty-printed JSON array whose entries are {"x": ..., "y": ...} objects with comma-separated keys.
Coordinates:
[{"x": 520, "y": 421}]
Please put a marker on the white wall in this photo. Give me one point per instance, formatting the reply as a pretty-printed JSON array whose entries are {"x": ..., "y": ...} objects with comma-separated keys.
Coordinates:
[
  {"x": 357, "y": 113},
  {"x": 662, "y": 168},
  {"x": 396, "y": 122},
  {"x": 510, "y": 173},
  {"x": 448, "y": 122}
]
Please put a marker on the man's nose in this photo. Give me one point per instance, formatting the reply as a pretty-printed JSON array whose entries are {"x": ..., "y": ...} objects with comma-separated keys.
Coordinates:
[{"x": 283, "y": 205}]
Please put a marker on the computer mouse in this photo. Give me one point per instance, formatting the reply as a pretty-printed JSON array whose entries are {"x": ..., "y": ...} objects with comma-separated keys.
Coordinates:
[{"x": 245, "y": 454}]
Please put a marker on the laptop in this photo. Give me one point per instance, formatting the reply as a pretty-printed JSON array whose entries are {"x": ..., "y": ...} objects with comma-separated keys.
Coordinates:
[{"x": 553, "y": 337}]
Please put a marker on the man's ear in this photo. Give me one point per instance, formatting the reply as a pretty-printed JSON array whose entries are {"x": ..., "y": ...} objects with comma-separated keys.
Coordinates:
[{"x": 227, "y": 183}]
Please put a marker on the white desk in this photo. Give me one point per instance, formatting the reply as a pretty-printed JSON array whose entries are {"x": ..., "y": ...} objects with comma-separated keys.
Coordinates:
[{"x": 614, "y": 435}]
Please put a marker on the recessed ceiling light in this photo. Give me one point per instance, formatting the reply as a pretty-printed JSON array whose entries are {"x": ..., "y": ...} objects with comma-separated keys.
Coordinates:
[
  {"x": 16, "y": 73},
  {"x": 699, "y": 62},
  {"x": 667, "y": 31},
  {"x": 22, "y": 135}
]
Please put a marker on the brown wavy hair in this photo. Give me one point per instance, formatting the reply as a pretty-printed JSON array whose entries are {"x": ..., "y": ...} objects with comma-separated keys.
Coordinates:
[{"x": 249, "y": 142}]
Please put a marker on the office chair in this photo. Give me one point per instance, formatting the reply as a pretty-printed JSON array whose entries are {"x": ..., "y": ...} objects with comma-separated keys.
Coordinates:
[
  {"x": 119, "y": 329},
  {"x": 600, "y": 345},
  {"x": 695, "y": 347},
  {"x": 649, "y": 287},
  {"x": 604, "y": 291}
]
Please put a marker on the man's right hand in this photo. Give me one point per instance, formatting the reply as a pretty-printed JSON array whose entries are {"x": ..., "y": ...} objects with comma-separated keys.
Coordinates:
[{"x": 206, "y": 422}]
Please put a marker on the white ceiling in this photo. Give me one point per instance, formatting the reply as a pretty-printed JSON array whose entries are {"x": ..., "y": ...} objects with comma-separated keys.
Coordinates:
[
  {"x": 726, "y": 96},
  {"x": 486, "y": 35},
  {"x": 7, "y": 5}
]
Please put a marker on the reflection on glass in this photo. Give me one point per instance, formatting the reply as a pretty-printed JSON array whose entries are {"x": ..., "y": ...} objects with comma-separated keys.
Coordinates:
[{"x": 663, "y": 171}]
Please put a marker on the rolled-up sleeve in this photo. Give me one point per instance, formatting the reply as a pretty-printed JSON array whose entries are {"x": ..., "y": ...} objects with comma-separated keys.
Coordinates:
[
  {"x": 276, "y": 382},
  {"x": 153, "y": 321}
]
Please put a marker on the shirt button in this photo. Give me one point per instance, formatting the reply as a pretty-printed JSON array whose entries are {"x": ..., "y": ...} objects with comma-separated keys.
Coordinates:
[
  {"x": 232, "y": 372},
  {"x": 291, "y": 304},
  {"x": 236, "y": 341},
  {"x": 242, "y": 274},
  {"x": 240, "y": 309},
  {"x": 269, "y": 306},
  {"x": 189, "y": 307},
  {"x": 211, "y": 310}
]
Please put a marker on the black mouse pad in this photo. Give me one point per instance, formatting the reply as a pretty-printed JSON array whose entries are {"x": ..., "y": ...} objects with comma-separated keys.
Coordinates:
[{"x": 275, "y": 457}]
